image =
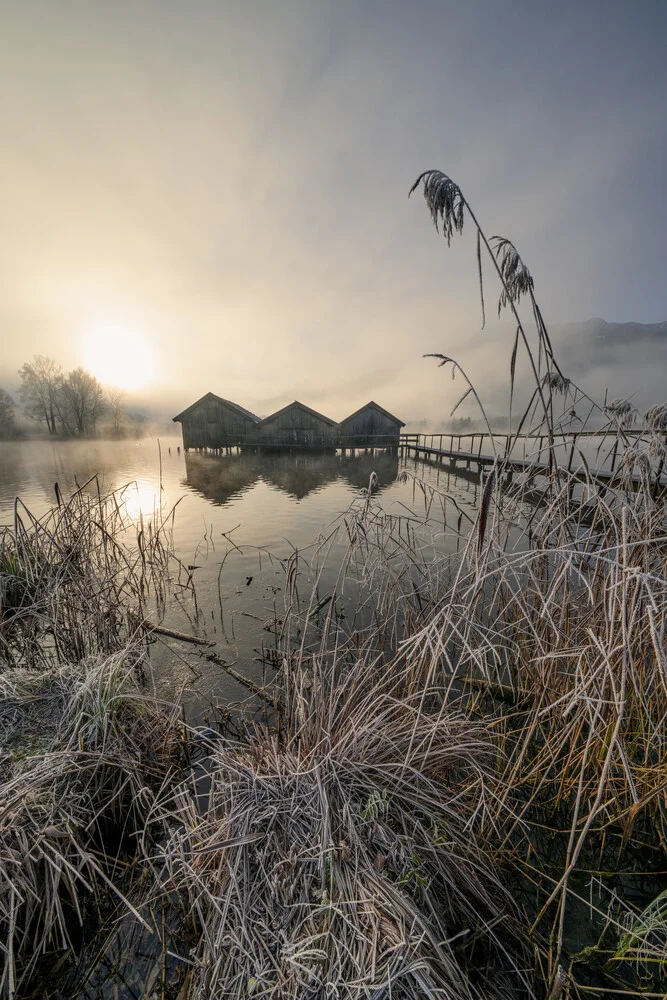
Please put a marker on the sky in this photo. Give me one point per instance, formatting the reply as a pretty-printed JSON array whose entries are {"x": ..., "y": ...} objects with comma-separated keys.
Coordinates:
[{"x": 212, "y": 195}]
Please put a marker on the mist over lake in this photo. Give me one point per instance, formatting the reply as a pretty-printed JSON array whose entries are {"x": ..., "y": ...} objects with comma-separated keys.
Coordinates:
[{"x": 247, "y": 513}]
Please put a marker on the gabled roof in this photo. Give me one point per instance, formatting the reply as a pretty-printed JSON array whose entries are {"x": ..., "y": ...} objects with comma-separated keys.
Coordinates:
[
  {"x": 218, "y": 399},
  {"x": 301, "y": 406},
  {"x": 380, "y": 409}
]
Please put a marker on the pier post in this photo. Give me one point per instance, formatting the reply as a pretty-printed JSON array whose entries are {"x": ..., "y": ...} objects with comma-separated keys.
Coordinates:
[{"x": 569, "y": 462}]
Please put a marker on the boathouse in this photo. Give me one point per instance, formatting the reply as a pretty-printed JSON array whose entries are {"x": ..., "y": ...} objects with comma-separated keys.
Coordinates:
[
  {"x": 371, "y": 426},
  {"x": 297, "y": 426},
  {"x": 214, "y": 422}
]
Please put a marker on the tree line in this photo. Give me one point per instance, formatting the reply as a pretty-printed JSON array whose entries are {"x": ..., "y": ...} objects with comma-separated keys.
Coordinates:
[{"x": 67, "y": 404}]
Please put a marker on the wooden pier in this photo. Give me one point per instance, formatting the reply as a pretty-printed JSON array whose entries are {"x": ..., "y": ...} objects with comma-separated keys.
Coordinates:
[{"x": 438, "y": 447}]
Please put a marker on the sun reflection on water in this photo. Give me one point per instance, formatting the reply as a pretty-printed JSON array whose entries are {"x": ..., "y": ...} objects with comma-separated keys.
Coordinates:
[{"x": 141, "y": 499}]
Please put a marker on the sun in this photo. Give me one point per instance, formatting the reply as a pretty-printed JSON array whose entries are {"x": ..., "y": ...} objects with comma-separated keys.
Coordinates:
[{"x": 117, "y": 355}]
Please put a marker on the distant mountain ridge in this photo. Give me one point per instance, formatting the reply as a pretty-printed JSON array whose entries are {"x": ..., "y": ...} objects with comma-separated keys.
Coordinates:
[
  {"x": 615, "y": 333},
  {"x": 626, "y": 359}
]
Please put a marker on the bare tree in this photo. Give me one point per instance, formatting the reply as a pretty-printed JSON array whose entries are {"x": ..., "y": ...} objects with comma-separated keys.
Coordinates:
[
  {"x": 7, "y": 423},
  {"x": 115, "y": 397},
  {"x": 41, "y": 384},
  {"x": 83, "y": 400}
]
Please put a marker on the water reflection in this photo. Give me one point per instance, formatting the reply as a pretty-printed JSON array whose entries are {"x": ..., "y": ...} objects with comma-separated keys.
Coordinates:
[
  {"x": 274, "y": 502},
  {"x": 141, "y": 499},
  {"x": 219, "y": 479}
]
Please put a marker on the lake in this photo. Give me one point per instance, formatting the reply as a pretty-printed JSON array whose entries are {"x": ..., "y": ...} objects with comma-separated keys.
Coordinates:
[{"x": 237, "y": 519}]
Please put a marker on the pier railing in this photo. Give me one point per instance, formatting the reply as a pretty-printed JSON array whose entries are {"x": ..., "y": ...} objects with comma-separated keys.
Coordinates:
[{"x": 602, "y": 450}]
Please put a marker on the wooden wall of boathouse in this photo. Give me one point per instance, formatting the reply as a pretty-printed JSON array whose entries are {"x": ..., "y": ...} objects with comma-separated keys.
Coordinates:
[
  {"x": 370, "y": 427},
  {"x": 213, "y": 422},
  {"x": 297, "y": 426}
]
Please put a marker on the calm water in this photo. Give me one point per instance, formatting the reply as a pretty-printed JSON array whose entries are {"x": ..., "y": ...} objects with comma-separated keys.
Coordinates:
[{"x": 268, "y": 504}]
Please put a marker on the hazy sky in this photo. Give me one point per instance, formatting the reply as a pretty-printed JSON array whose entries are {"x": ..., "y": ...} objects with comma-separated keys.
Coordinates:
[{"x": 225, "y": 184}]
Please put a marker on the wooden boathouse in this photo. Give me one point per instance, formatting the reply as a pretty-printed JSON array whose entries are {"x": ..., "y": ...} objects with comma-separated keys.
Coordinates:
[
  {"x": 214, "y": 424},
  {"x": 297, "y": 426},
  {"x": 371, "y": 426}
]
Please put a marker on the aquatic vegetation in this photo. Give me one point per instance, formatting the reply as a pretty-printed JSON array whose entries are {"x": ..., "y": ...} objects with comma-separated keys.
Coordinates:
[
  {"x": 84, "y": 750},
  {"x": 622, "y": 412},
  {"x": 340, "y": 857},
  {"x": 557, "y": 382},
  {"x": 655, "y": 417},
  {"x": 83, "y": 757},
  {"x": 566, "y": 617},
  {"x": 68, "y": 581},
  {"x": 645, "y": 940}
]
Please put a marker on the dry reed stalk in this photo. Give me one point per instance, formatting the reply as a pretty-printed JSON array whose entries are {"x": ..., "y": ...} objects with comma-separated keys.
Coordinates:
[
  {"x": 570, "y": 610},
  {"x": 68, "y": 580}
]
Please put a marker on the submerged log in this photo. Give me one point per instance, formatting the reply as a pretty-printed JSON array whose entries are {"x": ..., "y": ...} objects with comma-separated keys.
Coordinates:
[{"x": 171, "y": 633}]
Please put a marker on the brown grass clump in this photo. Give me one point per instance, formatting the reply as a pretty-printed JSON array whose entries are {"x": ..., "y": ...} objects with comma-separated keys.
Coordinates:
[
  {"x": 341, "y": 858},
  {"x": 83, "y": 756}
]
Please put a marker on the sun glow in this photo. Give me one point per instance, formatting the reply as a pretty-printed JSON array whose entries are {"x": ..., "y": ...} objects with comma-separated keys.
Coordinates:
[
  {"x": 141, "y": 499},
  {"x": 118, "y": 356}
]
